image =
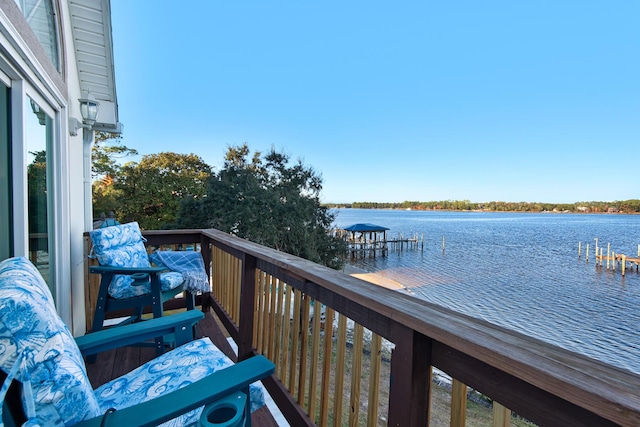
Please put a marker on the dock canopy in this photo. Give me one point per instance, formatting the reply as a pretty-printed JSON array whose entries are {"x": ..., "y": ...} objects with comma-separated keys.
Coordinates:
[{"x": 364, "y": 228}]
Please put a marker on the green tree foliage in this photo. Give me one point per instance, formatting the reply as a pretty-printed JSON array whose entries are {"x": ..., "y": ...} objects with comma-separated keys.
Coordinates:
[
  {"x": 270, "y": 201},
  {"x": 105, "y": 153},
  {"x": 150, "y": 191},
  {"x": 105, "y": 168},
  {"x": 37, "y": 194}
]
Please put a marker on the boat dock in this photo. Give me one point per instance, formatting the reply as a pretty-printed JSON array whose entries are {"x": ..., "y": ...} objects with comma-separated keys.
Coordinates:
[
  {"x": 370, "y": 240},
  {"x": 612, "y": 259}
]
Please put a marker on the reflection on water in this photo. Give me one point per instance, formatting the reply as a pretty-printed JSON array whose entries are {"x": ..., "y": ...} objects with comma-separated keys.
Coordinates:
[{"x": 522, "y": 271}]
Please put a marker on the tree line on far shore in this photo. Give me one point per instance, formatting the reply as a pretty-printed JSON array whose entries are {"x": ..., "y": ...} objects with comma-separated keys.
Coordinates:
[{"x": 623, "y": 206}]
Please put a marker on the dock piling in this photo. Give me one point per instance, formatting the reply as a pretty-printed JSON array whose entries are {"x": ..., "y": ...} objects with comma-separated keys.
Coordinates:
[{"x": 579, "y": 249}]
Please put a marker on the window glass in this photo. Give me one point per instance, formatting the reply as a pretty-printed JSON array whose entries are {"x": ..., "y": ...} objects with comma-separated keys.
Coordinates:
[
  {"x": 6, "y": 202},
  {"x": 41, "y": 16},
  {"x": 39, "y": 133}
]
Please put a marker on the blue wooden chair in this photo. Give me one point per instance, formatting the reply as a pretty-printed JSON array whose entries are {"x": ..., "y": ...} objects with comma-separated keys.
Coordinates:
[
  {"x": 128, "y": 280},
  {"x": 44, "y": 380}
]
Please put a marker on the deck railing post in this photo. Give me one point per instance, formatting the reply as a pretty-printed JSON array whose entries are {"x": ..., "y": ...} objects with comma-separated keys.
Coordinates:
[
  {"x": 410, "y": 383},
  {"x": 247, "y": 309},
  {"x": 205, "y": 251}
]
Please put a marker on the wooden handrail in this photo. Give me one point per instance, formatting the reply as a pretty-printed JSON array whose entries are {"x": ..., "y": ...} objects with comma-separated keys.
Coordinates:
[{"x": 540, "y": 381}]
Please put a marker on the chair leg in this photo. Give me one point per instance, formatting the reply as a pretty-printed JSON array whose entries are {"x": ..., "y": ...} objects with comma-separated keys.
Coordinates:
[
  {"x": 99, "y": 313},
  {"x": 157, "y": 309},
  {"x": 137, "y": 314},
  {"x": 189, "y": 300}
]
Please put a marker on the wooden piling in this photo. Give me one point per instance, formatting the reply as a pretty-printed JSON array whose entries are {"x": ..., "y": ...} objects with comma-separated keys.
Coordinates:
[
  {"x": 579, "y": 249},
  {"x": 586, "y": 254},
  {"x": 613, "y": 261}
]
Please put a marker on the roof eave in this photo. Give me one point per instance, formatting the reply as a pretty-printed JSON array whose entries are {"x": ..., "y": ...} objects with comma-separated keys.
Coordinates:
[{"x": 93, "y": 43}]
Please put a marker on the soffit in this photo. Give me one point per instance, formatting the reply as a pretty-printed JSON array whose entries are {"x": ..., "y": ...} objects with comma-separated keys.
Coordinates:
[{"x": 93, "y": 43}]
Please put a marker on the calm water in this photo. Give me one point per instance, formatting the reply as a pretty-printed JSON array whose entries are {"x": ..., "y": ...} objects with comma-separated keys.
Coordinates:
[{"x": 522, "y": 271}]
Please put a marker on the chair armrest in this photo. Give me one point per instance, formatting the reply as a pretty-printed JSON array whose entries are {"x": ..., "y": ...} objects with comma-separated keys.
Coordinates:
[
  {"x": 99, "y": 269},
  {"x": 207, "y": 390},
  {"x": 180, "y": 324}
]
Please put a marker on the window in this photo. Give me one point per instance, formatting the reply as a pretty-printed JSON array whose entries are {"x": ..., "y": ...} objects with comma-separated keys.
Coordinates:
[{"x": 41, "y": 16}]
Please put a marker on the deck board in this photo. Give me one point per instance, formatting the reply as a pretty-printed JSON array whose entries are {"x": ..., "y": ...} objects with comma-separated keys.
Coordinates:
[{"x": 112, "y": 364}]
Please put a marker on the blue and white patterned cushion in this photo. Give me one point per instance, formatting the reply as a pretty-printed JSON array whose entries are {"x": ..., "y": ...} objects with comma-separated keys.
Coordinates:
[
  {"x": 123, "y": 246},
  {"x": 171, "y": 371},
  {"x": 33, "y": 335}
]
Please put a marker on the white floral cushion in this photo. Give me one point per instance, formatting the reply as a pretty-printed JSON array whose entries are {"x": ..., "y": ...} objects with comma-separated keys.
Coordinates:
[
  {"x": 34, "y": 340},
  {"x": 171, "y": 371},
  {"x": 123, "y": 246}
]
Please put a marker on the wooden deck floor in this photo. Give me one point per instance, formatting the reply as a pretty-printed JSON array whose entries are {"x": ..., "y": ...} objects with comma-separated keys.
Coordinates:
[{"x": 112, "y": 364}]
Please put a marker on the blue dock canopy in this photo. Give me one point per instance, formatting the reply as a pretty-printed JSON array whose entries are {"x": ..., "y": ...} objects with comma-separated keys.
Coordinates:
[{"x": 365, "y": 228}]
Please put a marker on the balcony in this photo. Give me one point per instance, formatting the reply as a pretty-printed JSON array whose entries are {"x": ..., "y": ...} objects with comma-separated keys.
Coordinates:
[{"x": 351, "y": 353}]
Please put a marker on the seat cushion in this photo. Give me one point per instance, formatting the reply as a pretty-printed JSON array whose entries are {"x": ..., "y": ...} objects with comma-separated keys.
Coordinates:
[
  {"x": 33, "y": 335},
  {"x": 171, "y": 371},
  {"x": 123, "y": 246},
  {"x": 123, "y": 286}
]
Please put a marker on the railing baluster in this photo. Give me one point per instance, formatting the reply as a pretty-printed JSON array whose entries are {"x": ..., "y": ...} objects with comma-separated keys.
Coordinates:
[
  {"x": 501, "y": 415},
  {"x": 270, "y": 337},
  {"x": 236, "y": 267},
  {"x": 326, "y": 368},
  {"x": 277, "y": 337},
  {"x": 356, "y": 375},
  {"x": 315, "y": 356},
  {"x": 374, "y": 379},
  {"x": 304, "y": 348},
  {"x": 266, "y": 298},
  {"x": 259, "y": 310},
  {"x": 458, "y": 404},
  {"x": 285, "y": 340},
  {"x": 340, "y": 365},
  {"x": 297, "y": 307}
]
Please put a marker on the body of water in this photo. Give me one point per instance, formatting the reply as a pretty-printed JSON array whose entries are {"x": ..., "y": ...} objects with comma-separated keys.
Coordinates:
[{"x": 521, "y": 271}]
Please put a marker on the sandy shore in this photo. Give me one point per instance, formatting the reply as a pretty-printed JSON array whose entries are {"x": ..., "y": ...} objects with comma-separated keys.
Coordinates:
[{"x": 374, "y": 278}]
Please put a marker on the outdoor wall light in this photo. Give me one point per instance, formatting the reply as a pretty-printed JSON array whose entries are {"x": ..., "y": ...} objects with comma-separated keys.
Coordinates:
[
  {"x": 42, "y": 116},
  {"x": 89, "y": 112}
]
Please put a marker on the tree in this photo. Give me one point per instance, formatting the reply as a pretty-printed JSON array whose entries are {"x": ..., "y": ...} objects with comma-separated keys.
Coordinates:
[
  {"x": 269, "y": 201},
  {"x": 150, "y": 191},
  {"x": 105, "y": 169},
  {"x": 37, "y": 192}
]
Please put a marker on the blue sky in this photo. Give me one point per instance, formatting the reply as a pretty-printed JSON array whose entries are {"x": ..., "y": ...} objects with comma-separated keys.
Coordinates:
[{"x": 391, "y": 101}]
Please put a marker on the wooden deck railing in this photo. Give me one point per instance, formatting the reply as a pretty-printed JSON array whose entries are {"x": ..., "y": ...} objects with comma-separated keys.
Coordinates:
[{"x": 351, "y": 353}]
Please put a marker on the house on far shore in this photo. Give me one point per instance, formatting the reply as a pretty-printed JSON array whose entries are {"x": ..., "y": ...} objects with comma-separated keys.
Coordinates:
[
  {"x": 582, "y": 209},
  {"x": 56, "y": 74}
]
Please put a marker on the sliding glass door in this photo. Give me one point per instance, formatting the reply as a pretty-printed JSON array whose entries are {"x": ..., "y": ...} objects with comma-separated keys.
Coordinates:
[{"x": 6, "y": 202}]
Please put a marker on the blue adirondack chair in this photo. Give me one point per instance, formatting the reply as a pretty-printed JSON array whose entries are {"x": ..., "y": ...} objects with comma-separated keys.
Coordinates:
[
  {"x": 44, "y": 380},
  {"x": 129, "y": 281}
]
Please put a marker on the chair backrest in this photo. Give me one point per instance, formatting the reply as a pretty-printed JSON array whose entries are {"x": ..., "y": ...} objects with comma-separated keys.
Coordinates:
[
  {"x": 121, "y": 246},
  {"x": 37, "y": 349}
]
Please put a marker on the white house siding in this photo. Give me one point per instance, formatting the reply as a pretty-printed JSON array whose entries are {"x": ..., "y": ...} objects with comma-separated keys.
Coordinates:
[{"x": 32, "y": 74}]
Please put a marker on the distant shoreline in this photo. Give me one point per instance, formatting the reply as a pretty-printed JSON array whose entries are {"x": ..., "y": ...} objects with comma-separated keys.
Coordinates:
[{"x": 610, "y": 211}]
